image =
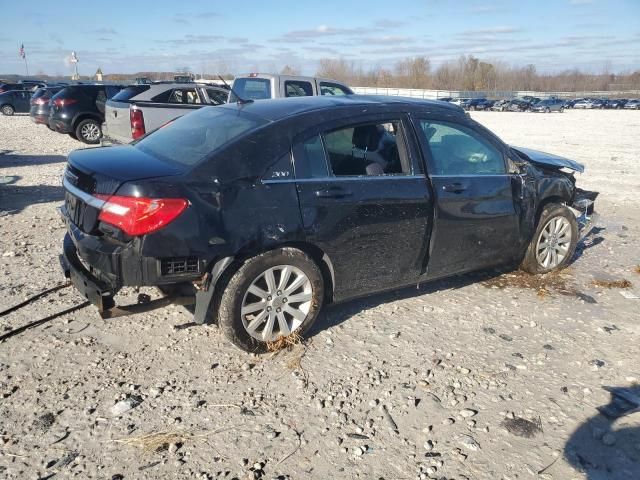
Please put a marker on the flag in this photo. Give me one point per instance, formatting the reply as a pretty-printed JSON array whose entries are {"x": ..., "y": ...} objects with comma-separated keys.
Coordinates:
[{"x": 21, "y": 52}]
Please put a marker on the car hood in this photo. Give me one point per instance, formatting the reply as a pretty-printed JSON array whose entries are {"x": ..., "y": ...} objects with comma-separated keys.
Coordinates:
[{"x": 548, "y": 160}]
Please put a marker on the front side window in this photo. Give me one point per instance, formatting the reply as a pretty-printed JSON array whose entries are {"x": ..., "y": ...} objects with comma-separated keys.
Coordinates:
[
  {"x": 327, "y": 88},
  {"x": 217, "y": 97},
  {"x": 458, "y": 150},
  {"x": 294, "y": 88}
]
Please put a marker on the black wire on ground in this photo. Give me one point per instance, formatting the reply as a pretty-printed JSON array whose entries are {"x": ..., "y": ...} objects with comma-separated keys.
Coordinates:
[
  {"x": 33, "y": 298},
  {"x": 41, "y": 321}
]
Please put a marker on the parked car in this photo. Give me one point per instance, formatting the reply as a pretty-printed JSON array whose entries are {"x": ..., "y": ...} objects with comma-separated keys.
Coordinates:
[
  {"x": 40, "y": 106},
  {"x": 261, "y": 213},
  {"x": 615, "y": 103},
  {"x": 260, "y": 86},
  {"x": 78, "y": 110},
  {"x": 549, "y": 105},
  {"x": 572, "y": 102},
  {"x": 633, "y": 104},
  {"x": 14, "y": 101},
  {"x": 485, "y": 105},
  {"x": 139, "y": 109},
  {"x": 445, "y": 99},
  {"x": 473, "y": 103},
  {"x": 518, "y": 105},
  {"x": 500, "y": 105},
  {"x": 586, "y": 103},
  {"x": 459, "y": 101}
]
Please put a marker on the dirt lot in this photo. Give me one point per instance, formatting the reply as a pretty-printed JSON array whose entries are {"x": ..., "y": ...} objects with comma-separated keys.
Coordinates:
[{"x": 422, "y": 383}]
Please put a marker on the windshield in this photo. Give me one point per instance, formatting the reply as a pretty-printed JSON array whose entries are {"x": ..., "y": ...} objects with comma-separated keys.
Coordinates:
[
  {"x": 250, "y": 89},
  {"x": 191, "y": 138}
]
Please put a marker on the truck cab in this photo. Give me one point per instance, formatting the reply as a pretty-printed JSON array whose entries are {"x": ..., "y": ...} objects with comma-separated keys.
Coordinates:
[{"x": 263, "y": 86}]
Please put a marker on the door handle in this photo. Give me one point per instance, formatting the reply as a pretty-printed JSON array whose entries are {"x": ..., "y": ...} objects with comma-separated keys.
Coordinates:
[
  {"x": 333, "y": 192},
  {"x": 454, "y": 188}
]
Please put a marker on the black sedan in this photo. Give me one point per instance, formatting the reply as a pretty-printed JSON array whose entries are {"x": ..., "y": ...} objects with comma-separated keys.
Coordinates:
[
  {"x": 260, "y": 213},
  {"x": 15, "y": 101}
]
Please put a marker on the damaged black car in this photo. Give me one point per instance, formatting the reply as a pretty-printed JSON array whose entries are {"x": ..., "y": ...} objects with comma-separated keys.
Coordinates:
[{"x": 259, "y": 214}]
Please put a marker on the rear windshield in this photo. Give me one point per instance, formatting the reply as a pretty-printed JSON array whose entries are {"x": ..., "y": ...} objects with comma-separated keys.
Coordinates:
[
  {"x": 130, "y": 92},
  {"x": 250, "y": 88},
  {"x": 191, "y": 138}
]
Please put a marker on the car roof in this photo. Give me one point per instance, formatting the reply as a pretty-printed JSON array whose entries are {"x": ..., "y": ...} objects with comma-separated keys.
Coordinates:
[{"x": 279, "y": 108}]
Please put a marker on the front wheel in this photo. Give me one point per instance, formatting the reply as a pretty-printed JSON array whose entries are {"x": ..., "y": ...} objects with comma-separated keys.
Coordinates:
[
  {"x": 88, "y": 131},
  {"x": 554, "y": 242},
  {"x": 272, "y": 295},
  {"x": 561, "y": 109},
  {"x": 7, "y": 110}
]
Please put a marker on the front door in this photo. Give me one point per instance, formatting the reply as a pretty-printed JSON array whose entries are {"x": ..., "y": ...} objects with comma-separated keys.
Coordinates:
[
  {"x": 475, "y": 218},
  {"x": 365, "y": 202}
]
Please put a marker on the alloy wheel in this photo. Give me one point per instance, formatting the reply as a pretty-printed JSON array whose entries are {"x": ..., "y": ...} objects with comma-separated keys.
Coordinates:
[
  {"x": 90, "y": 132},
  {"x": 554, "y": 242},
  {"x": 276, "y": 303}
]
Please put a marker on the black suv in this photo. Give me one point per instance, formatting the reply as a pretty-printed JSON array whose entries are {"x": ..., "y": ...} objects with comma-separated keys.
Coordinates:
[
  {"x": 40, "y": 105},
  {"x": 15, "y": 101},
  {"x": 260, "y": 213},
  {"x": 79, "y": 110}
]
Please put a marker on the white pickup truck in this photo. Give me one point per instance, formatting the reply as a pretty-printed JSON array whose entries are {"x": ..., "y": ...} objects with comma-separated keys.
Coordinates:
[{"x": 139, "y": 109}]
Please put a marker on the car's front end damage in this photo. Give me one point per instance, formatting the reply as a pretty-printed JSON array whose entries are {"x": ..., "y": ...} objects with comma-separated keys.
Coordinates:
[{"x": 557, "y": 181}]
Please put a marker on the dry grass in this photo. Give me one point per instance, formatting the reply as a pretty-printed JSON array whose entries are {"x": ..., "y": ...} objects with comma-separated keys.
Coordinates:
[
  {"x": 637, "y": 269},
  {"x": 623, "y": 283},
  {"x": 154, "y": 442},
  {"x": 542, "y": 284},
  {"x": 284, "y": 343}
]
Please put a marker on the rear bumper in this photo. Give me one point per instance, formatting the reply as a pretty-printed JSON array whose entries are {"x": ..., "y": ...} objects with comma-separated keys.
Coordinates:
[
  {"x": 59, "y": 126},
  {"x": 40, "y": 119}
]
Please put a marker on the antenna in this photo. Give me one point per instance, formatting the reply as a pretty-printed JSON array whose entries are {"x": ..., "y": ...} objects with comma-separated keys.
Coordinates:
[{"x": 241, "y": 101}]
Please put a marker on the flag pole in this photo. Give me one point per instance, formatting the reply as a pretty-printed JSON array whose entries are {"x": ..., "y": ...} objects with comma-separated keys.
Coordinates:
[{"x": 26, "y": 66}]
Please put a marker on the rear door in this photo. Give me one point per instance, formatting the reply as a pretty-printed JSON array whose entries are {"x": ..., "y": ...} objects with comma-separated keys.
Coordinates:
[
  {"x": 365, "y": 201},
  {"x": 476, "y": 220},
  {"x": 21, "y": 99}
]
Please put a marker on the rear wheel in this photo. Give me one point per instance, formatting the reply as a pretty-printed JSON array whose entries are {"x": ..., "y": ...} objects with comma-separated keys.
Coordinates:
[
  {"x": 7, "y": 110},
  {"x": 554, "y": 242},
  {"x": 272, "y": 295},
  {"x": 547, "y": 110},
  {"x": 561, "y": 109},
  {"x": 88, "y": 131}
]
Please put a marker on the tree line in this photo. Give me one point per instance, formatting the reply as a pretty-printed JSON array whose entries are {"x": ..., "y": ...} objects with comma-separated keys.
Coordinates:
[{"x": 472, "y": 74}]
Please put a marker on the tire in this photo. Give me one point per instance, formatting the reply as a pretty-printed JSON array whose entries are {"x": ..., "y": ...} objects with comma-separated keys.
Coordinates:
[
  {"x": 561, "y": 110},
  {"x": 547, "y": 110},
  {"x": 568, "y": 228},
  {"x": 7, "y": 110},
  {"x": 253, "y": 273},
  {"x": 88, "y": 131}
]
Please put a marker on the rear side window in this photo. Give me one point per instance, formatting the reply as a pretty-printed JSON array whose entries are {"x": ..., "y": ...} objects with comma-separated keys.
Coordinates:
[
  {"x": 188, "y": 96},
  {"x": 458, "y": 150},
  {"x": 296, "y": 88},
  {"x": 327, "y": 88},
  {"x": 130, "y": 92},
  {"x": 310, "y": 159},
  {"x": 193, "y": 137},
  {"x": 250, "y": 89}
]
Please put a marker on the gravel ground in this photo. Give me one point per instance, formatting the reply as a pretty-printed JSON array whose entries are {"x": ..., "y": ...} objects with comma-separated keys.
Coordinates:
[{"x": 476, "y": 377}]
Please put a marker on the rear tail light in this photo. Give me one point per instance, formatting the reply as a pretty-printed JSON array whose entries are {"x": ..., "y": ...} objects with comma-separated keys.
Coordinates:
[
  {"x": 139, "y": 216},
  {"x": 64, "y": 102},
  {"x": 137, "y": 123},
  {"x": 39, "y": 101}
]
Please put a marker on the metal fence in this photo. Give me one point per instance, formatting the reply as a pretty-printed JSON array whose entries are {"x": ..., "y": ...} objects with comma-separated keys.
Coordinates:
[{"x": 436, "y": 94}]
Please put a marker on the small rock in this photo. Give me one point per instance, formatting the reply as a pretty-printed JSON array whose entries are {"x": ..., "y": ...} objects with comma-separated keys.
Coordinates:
[
  {"x": 428, "y": 445},
  {"x": 468, "y": 413},
  {"x": 125, "y": 405},
  {"x": 468, "y": 442}
]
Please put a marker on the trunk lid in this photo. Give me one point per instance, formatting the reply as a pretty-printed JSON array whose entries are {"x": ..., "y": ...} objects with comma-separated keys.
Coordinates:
[{"x": 103, "y": 170}]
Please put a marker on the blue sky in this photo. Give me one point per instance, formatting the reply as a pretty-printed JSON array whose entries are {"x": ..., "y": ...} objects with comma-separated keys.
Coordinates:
[{"x": 249, "y": 35}]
